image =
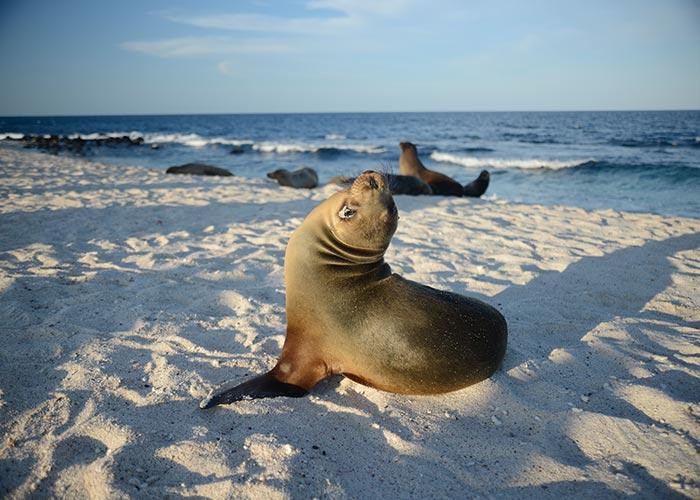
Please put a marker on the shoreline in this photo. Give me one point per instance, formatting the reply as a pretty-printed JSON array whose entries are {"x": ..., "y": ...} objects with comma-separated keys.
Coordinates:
[{"x": 129, "y": 293}]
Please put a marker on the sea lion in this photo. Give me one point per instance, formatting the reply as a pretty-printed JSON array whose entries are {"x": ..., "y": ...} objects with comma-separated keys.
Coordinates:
[
  {"x": 302, "y": 177},
  {"x": 478, "y": 186},
  {"x": 409, "y": 164},
  {"x": 398, "y": 184},
  {"x": 198, "y": 169},
  {"x": 347, "y": 313}
]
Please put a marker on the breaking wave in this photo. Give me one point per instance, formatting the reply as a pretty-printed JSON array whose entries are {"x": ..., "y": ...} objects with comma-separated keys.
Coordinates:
[
  {"x": 284, "y": 148},
  {"x": 532, "y": 164}
]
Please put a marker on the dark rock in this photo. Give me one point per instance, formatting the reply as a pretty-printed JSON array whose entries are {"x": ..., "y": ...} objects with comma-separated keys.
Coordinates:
[{"x": 58, "y": 143}]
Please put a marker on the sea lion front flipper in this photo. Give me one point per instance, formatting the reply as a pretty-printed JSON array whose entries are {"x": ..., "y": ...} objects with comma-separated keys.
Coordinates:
[{"x": 263, "y": 386}]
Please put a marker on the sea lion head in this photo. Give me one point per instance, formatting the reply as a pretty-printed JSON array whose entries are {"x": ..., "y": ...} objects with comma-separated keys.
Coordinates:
[
  {"x": 365, "y": 215},
  {"x": 279, "y": 173},
  {"x": 407, "y": 146}
]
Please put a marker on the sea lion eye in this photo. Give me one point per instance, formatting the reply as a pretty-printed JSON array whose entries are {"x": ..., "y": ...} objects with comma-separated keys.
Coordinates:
[{"x": 346, "y": 212}]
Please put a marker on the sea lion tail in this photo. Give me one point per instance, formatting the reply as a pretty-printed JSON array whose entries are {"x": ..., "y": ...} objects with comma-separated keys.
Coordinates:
[
  {"x": 478, "y": 186},
  {"x": 262, "y": 386}
]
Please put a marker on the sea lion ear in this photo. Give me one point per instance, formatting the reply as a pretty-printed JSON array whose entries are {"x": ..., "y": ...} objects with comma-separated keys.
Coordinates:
[{"x": 346, "y": 212}]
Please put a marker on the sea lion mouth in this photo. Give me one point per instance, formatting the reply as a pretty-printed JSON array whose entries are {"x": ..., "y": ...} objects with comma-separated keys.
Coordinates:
[{"x": 392, "y": 208}]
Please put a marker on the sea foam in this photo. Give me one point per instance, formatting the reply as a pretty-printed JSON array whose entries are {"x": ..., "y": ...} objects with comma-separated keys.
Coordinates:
[
  {"x": 283, "y": 148},
  {"x": 531, "y": 164}
]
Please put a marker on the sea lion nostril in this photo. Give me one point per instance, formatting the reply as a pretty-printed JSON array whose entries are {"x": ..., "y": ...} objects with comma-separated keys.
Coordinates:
[{"x": 373, "y": 183}]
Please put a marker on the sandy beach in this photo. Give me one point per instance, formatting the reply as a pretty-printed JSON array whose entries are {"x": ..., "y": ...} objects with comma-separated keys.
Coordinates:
[{"x": 127, "y": 294}]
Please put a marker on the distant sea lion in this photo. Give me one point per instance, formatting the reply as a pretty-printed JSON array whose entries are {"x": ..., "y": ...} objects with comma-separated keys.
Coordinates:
[
  {"x": 348, "y": 314},
  {"x": 302, "y": 177},
  {"x": 409, "y": 164},
  {"x": 478, "y": 186},
  {"x": 198, "y": 169},
  {"x": 398, "y": 184}
]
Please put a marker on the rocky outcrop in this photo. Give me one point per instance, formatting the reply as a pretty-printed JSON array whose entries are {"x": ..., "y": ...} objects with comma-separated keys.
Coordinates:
[{"x": 77, "y": 145}]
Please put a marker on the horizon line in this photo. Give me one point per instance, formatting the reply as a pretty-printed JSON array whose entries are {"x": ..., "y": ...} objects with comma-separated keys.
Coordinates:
[{"x": 98, "y": 115}]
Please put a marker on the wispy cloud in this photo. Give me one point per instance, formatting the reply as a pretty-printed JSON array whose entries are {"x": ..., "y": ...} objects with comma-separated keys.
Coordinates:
[
  {"x": 350, "y": 21},
  {"x": 198, "y": 46},
  {"x": 264, "y": 23},
  {"x": 347, "y": 14},
  {"x": 355, "y": 8}
]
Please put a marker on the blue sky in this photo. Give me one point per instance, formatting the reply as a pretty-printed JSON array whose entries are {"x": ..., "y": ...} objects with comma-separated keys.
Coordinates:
[{"x": 152, "y": 57}]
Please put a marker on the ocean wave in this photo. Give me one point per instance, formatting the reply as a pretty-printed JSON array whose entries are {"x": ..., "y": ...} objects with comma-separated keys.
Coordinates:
[
  {"x": 530, "y": 138},
  {"x": 657, "y": 142},
  {"x": 285, "y": 148},
  {"x": 335, "y": 137},
  {"x": 478, "y": 150},
  {"x": 11, "y": 136},
  {"x": 193, "y": 140},
  {"x": 472, "y": 162}
]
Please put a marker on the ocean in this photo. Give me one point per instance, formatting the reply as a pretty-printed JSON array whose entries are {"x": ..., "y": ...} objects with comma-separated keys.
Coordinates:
[{"x": 647, "y": 161}]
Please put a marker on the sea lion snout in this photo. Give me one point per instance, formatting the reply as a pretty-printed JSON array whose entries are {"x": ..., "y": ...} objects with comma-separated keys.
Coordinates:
[{"x": 371, "y": 180}]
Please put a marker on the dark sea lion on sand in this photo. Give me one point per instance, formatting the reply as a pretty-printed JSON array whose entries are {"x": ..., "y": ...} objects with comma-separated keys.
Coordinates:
[
  {"x": 198, "y": 169},
  {"x": 478, "y": 186},
  {"x": 302, "y": 177},
  {"x": 398, "y": 184},
  {"x": 441, "y": 184},
  {"x": 347, "y": 313}
]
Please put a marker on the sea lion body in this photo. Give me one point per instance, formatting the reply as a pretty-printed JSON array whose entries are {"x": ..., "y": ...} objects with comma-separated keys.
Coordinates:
[
  {"x": 302, "y": 177},
  {"x": 198, "y": 169},
  {"x": 441, "y": 184},
  {"x": 398, "y": 184},
  {"x": 347, "y": 313}
]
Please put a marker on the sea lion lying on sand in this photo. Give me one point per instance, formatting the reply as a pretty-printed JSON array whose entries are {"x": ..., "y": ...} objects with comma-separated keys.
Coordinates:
[
  {"x": 198, "y": 169},
  {"x": 398, "y": 184},
  {"x": 302, "y": 177},
  {"x": 409, "y": 164}
]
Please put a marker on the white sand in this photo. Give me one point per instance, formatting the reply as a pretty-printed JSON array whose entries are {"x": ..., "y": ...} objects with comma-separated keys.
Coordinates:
[{"x": 127, "y": 294}]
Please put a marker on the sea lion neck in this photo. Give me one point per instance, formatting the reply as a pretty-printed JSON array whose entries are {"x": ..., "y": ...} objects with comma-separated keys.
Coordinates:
[
  {"x": 337, "y": 252},
  {"x": 314, "y": 247}
]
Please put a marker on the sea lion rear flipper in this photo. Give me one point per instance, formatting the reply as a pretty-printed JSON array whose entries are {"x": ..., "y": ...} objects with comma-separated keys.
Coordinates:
[
  {"x": 263, "y": 386},
  {"x": 478, "y": 186}
]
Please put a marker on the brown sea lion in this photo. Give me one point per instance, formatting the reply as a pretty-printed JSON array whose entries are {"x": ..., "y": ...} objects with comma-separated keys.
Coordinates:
[
  {"x": 302, "y": 177},
  {"x": 398, "y": 184},
  {"x": 198, "y": 169},
  {"x": 409, "y": 164},
  {"x": 478, "y": 186},
  {"x": 347, "y": 313}
]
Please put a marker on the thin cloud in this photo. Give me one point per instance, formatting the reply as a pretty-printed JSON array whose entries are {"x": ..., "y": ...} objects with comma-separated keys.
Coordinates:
[
  {"x": 356, "y": 8},
  {"x": 264, "y": 23},
  {"x": 348, "y": 14},
  {"x": 199, "y": 46}
]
